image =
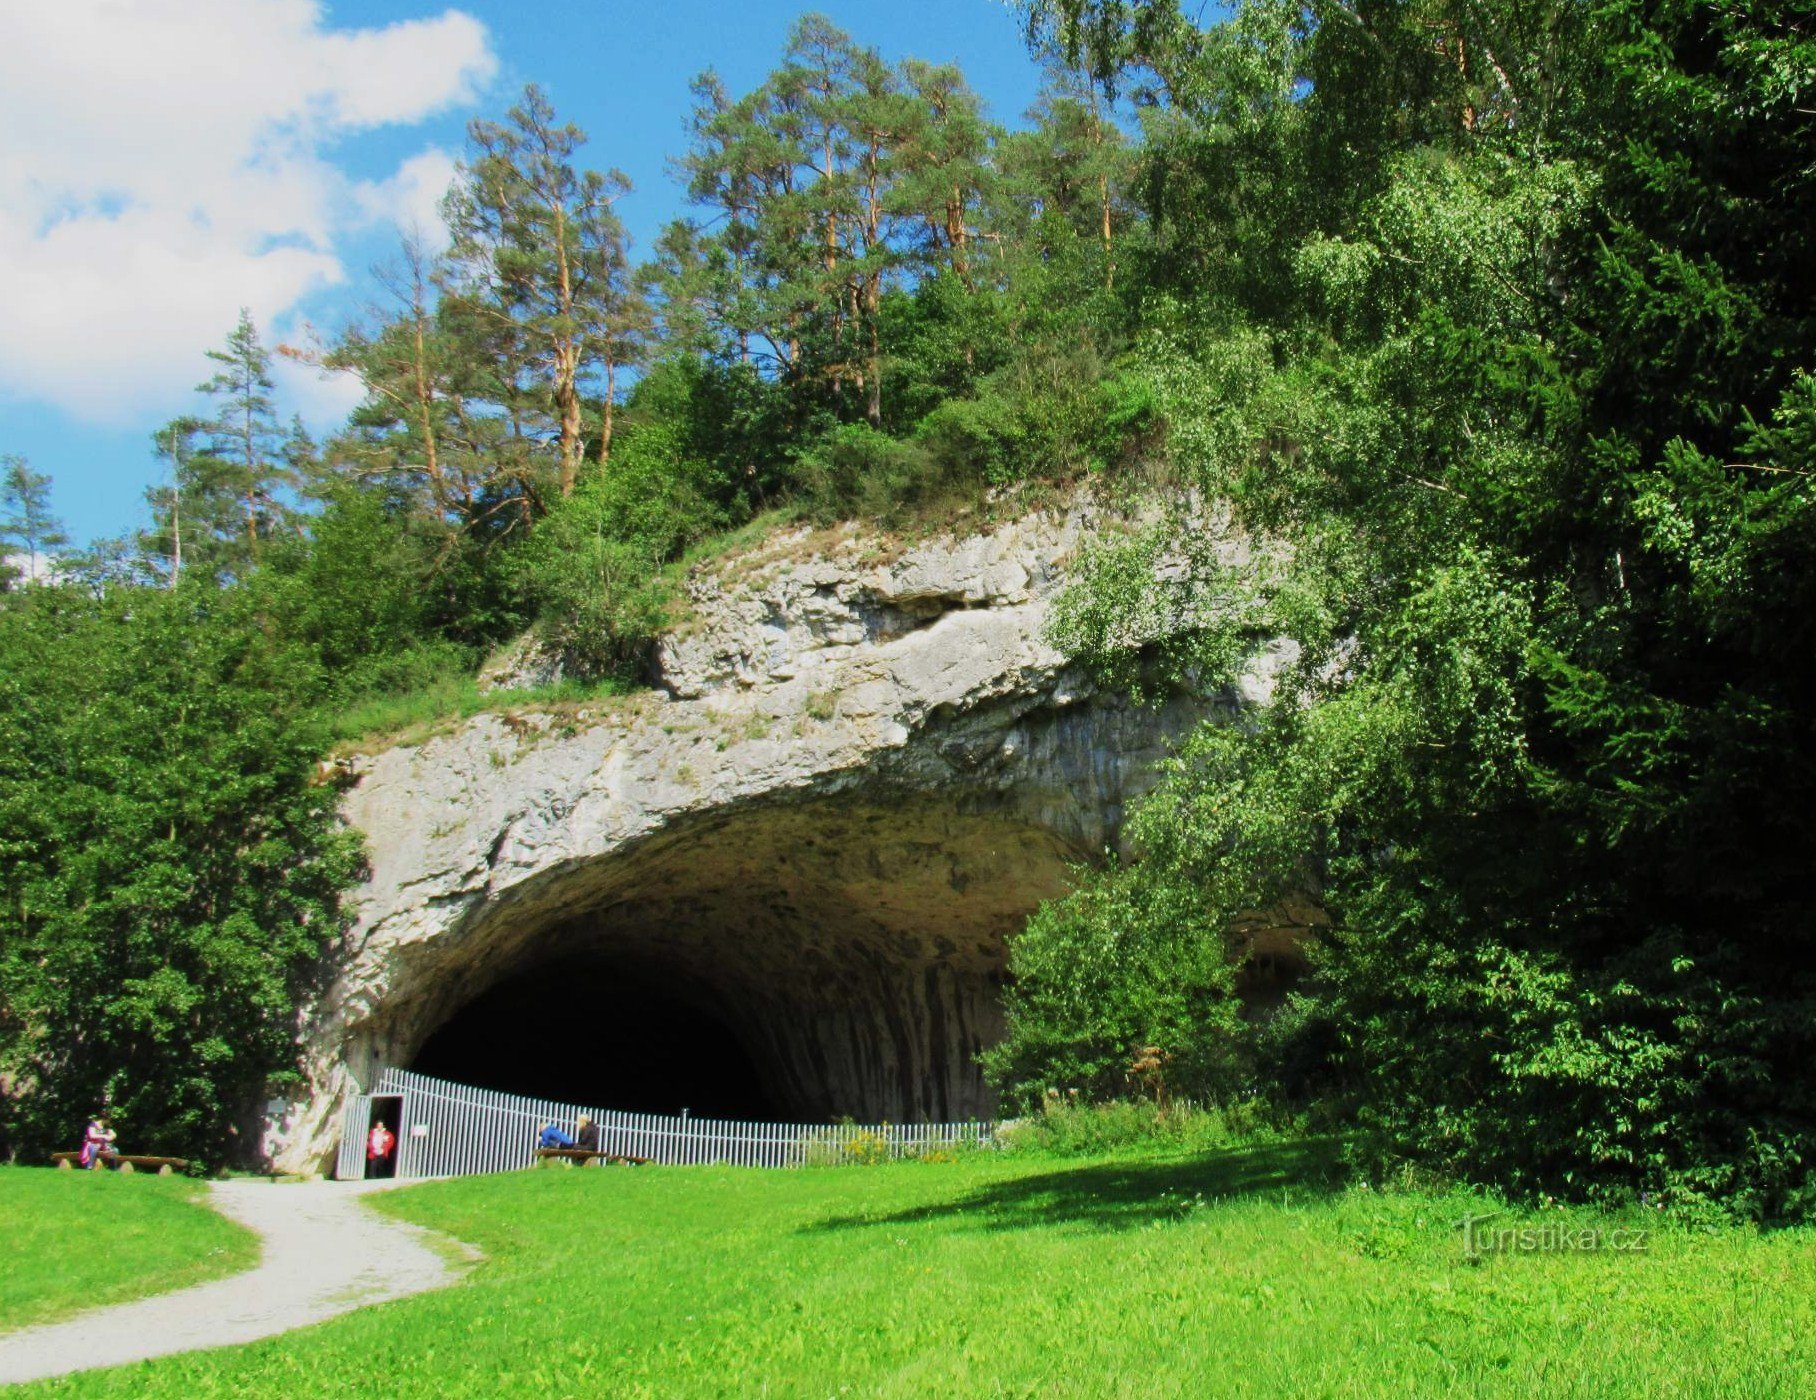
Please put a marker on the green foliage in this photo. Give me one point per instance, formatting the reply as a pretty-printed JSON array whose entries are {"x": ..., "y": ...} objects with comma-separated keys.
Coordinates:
[
  {"x": 168, "y": 871},
  {"x": 1122, "y": 963},
  {"x": 855, "y": 470},
  {"x": 1065, "y": 1126},
  {"x": 1046, "y": 418},
  {"x": 1043, "y": 417},
  {"x": 731, "y": 427},
  {"x": 824, "y": 190},
  {"x": 593, "y": 567},
  {"x": 537, "y": 279},
  {"x": 1148, "y": 608},
  {"x": 360, "y": 594},
  {"x": 31, "y": 537},
  {"x": 1519, "y": 397},
  {"x": 222, "y": 503}
]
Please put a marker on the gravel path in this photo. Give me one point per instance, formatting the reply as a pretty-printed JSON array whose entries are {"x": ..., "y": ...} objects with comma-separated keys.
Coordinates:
[{"x": 323, "y": 1253}]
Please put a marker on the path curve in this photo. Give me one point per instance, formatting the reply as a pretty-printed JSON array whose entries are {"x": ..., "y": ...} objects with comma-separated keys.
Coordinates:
[{"x": 322, "y": 1254}]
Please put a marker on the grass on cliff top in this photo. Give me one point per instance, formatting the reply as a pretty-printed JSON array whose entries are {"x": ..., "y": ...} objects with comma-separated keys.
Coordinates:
[
  {"x": 449, "y": 700},
  {"x": 387, "y": 721},
  {"x": 777, "y": 538},
  {"x": 72, "y": 1240},
  {"x": 1243, "y": 1270}
]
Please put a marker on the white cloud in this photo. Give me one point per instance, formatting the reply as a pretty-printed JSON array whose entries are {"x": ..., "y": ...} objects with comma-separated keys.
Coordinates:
[
  {"x": 411, "y": 197},
  {"x": 165, "y": 162}
]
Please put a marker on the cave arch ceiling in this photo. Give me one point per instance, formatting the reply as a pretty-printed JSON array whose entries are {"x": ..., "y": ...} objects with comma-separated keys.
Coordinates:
[{"x": 855, "y": 946}]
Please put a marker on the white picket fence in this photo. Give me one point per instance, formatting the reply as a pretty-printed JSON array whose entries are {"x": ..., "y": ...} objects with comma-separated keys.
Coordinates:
[{"x": 447, "y": 1129}]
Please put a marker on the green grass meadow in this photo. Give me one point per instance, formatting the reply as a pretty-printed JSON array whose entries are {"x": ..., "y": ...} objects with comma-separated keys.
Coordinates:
[
  {"x": 1240, "y": 1271},
  {"x": 72, "y": 1240}
]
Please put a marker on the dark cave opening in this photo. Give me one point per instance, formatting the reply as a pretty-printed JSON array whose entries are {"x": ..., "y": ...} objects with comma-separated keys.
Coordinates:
[
  {"x": 800, "y": 963},
  {"x": 604, "y": 1035}
]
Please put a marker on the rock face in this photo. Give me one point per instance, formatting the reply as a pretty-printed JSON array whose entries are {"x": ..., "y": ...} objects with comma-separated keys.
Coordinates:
[{"x": 860, "y": 774}]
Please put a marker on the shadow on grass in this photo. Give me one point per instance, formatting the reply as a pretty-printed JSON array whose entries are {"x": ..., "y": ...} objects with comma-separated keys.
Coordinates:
[{"x": 1126, "y": 1195}]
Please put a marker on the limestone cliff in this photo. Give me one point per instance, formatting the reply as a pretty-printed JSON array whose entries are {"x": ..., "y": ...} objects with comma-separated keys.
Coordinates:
[{"x": 862, "y": 770}]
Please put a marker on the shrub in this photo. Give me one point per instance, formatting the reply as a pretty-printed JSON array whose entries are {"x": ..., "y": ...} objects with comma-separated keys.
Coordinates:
[
  {"x": 1121, "y": 964},
  {"x": 854, "y": 470},
  {"x": 593, "y": 566},
  {"x": 1066, "y": 1124},
  {"x": 169, "y": 870}
]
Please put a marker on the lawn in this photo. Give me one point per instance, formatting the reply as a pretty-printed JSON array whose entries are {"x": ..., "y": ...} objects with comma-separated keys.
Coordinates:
[
  {"x": 1244, "y": 1271},
  {"x": 76, "y": 1239}
]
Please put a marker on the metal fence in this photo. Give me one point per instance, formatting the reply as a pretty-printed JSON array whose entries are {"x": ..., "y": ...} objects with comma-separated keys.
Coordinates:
[{"x": 447, "y": 1129}]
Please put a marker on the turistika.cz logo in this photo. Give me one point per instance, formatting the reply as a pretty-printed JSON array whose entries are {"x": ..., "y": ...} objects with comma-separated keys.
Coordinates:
[{"x": 1480, "y": 1237}]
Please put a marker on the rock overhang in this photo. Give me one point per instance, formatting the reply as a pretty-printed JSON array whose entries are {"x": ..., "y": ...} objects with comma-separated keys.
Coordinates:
[{"x": 858, "y": 779}]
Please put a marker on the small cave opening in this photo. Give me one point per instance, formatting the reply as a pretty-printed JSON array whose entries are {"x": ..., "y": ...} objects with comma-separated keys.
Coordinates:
[{"x": 600, "y": 1033}]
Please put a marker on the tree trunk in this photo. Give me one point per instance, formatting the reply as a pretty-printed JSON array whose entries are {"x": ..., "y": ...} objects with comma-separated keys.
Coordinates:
[
  {"x": 959, "y": 238},
  {"x": 1109, "y": 251},
  {"x": 873, "y": 367},
  {"x": 425, "y": 413},
  {"x": 567, "y": 403},
  {"x": 567, "y": 358},
  {"x": 1103, "y": 192},
  {"x": 830, "y": 257},
  {"x": 606, "y": 408}
]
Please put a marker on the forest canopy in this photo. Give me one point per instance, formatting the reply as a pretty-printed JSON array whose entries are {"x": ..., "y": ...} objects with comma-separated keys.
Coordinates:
[{"x": 1496, "y": 318}]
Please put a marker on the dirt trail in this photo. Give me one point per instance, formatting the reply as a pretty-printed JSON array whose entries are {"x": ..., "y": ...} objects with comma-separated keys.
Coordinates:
[{"x": 323, "y": 1253}]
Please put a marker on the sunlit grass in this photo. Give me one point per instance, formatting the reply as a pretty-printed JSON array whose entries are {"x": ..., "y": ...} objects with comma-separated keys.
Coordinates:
[
  {"x": 71, "y": 1240},
  {"x": 411, "y": 718},
  {"x": 1245, "y": 1270}
]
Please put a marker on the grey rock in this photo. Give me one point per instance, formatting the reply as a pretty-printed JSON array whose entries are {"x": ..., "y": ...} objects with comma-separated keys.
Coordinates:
[
  {"x": 526, "y": 664},
  {"x": 860, "y": 774}
]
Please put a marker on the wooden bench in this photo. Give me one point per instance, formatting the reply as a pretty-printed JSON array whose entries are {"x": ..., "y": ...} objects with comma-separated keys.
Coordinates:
[
  {"x": 583, "y": 1155},
  {"x": 126, "y": 1162}
]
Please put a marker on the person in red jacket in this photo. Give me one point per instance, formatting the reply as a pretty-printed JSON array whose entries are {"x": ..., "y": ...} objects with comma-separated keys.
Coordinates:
[{"x": 378, "y": 1150}]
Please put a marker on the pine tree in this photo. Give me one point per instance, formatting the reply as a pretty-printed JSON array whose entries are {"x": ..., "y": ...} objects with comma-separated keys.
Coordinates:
[
  {"x": 243, "y": 438},
  {"x": 836, "y": 181},
  {"x": 28, "y": 530},
  {"x": 537, "y": 270},
  {"x": 197, "y": 523}
]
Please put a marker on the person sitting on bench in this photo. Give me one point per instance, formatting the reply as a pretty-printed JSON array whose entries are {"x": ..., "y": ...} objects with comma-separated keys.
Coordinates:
[
  {"x": 585, "y": 1138},
  {"x": 98, "y": 1143}
]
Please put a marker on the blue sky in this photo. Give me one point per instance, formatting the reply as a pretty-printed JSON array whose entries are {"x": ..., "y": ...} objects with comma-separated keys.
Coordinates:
[{"x": 163, "y": 162}]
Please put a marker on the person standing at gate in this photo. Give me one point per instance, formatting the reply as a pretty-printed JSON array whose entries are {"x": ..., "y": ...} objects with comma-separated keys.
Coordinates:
[{"x": 379, "y": 1147}]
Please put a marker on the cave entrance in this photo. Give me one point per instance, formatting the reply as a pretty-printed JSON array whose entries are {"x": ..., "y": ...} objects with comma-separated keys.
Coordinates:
[
  {"x": 586, "y": 1031},
  {"x": 794, "y": 962}
]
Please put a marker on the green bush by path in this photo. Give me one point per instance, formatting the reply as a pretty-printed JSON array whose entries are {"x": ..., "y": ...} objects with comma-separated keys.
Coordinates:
[
  {"x": 75, "y": 1240},
  {"x": 1245, "y": 1271}
]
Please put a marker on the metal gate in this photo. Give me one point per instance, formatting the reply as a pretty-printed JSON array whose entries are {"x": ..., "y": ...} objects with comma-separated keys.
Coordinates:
[
  {"x": 350, "y": 1164},
  {"x": 449, "y": 1129}
]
